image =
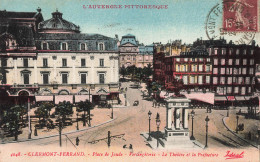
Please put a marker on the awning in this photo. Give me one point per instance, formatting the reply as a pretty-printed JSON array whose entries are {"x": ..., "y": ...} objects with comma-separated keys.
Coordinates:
[
  {"x": 61, "y": 98},
  {"x": 204, "y": 97},
  {"x": 43, "y": 98},
  {"x": 79, "y": 98},
  {"x": 240, "y": 98},
  {"x": 220, "y": 98}
]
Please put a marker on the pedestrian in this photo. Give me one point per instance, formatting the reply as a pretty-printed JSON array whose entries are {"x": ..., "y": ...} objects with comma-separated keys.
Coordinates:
[
  {"x": 35, "y": 131},
  {"x": 125, "y": 88},
  {"x": 77, "y": 141},
  {"x": 131, "y": 147}
]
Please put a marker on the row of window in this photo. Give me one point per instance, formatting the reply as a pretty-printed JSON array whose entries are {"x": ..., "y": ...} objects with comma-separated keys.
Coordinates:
[
  {"x": 192, "y": 68},
  {"x": 233, "y": 80},
  {"x": 64, "y": 78},
  {"x": 234, "y": 90},
  {"x": 233, "y": 61},
  {"x": 237, "y": 51},
  {"x": 192, "y": 59},
  {"x": 64, "y": 46},
  {"x": 140, "y": 58},
  {"x": 194, "y": 79},
  {"x": 64, "y": 62},
  {"x": 235, "y": 71}
]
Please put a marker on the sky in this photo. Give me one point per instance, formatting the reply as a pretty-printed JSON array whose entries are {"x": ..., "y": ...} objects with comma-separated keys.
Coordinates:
[{"x": 184, "y": 19}]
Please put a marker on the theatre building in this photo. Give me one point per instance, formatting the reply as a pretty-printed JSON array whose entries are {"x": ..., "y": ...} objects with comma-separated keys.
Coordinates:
[{"x": 57, "y": 62}]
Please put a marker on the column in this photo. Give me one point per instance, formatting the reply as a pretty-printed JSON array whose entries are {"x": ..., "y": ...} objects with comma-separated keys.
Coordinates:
[
  {"x": 177, "y": 118},
  {"x": 185, "y": 120},
  {"x": 35, "y": 70},
  {"x": 15, "y": 70},
  {"x": 169, "y": 118}
]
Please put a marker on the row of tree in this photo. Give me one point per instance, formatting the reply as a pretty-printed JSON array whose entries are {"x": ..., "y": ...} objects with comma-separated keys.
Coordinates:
[
  {"x": 12, "y": 117},
  {"x": 136, "y": 73}
]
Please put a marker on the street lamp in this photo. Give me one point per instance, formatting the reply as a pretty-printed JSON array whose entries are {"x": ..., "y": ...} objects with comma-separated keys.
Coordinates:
[
  {"x": 237, "y": 124},
  {"x": 158, "y": 122},
  {"x": 227, "y": 111},
  {"x": 77, "y": 121},
  {"x": 192, "y": 117},
  {"x": 207, "y": 120},
  {"x": 149, "y": 115}
]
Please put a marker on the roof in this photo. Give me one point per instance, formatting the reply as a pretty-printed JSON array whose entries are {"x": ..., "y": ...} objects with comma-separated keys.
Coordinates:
[
  {"x": 128, "y": 35},
  {"x": 58, "y": 23},
  {"x": 71, "y": 36},
  {"x": 11, "y": 14}
]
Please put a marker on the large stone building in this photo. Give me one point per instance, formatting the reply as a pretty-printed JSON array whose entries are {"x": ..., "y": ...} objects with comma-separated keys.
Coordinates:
[
  {"x": 134, "y": 54},
  {"x": 57, "y": 62}
]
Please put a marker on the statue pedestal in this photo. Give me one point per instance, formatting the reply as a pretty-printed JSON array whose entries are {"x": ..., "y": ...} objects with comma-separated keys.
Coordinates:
[{"x": 173, "y": 135}]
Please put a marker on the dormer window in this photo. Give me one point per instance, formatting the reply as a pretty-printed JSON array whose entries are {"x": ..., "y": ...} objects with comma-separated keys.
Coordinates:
[
  {"x": 101, "y": 46},
  {"x": 83, "y": 46},
  {"x": 44, "y": 46},
  {"x": 64, "y": 46}
]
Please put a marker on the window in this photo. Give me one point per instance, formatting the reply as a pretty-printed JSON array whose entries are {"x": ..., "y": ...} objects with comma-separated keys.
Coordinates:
[
  {"x": 83, "y": 46},
  {"x": 216, "y": 51},
  {"x": 207, "y": 79},
  {"x": 83, "y": 62},
  {"x": 229, "y": 81},
  {"x": 64, "y": 78},
  {"x": 101, "y": 78},
  {"x": 244, "y": 61},
  {"x": 229, "y": 89},
  {"x": 230, "y": 71},
  {"x": 200, "y": 67},
  {"x": 215, "y": 80},
  {"x": 234, "y": 79},
  {"x": 222, "y": 80},
  {"x": 4, "y": 62},
  {"x": 243, "y": 90},
  {"x": 207, "y": 68},
  {"x": 194, "y": 68},
  {"x": 251, "y": 71},
  {"x": 64, "y": 62},
  {"x": 222, "y": 61},
  {"x": 25, "y": 62},
  {"x": 235, "y": 71},
  {"x": 252, "y": 52},
  {"x": 26, "y": 78},
  {"x": 200, "y": 79},
  {"x": 201, "y": 59},
  {"x": 237, "y": 61},
  {"x": 230, "y": 51},
  {"x": 186, "y": 59},
  {"x": 251, "y": 61},
  {"x": 101, "y": 46},
  {"x": 177, "y": 59},
  {"x": 45, "y": 78},
  {"x": 177, "y": 68},
  {"x": 101, "y": 62},
  {"x": 208, "y": 59},
  {"x": 64, "y": 46},
  {"x": 247, "y": 80},
  {"x": 244, "y": 71},
  {"x": 44, "y": 46},
  {"x": 192, "y": 78},
  {"x": 249, "y": 90},
  {"x": 223, "y": 51},
  {"x": 185, "y": 79},
  {"x": 227, "y": 70},
  {"x": 240, "y": 80},
  {"x": 215, "y": 71},
  {"x": 83, "y": 78},
  {"x": 244, "y": 52},
  {"x": 236, "y": 90},
  {"x": 215, "y": 61},
  {"x": 222, "y": 71},
  {"x": 230, "y": 61},
  {"x": 237, "y": 52},
  {"x": 45, "y": 62}
]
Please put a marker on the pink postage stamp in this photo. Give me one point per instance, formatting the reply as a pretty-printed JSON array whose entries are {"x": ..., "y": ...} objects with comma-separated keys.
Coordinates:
[{"x": 240, "y": 15}]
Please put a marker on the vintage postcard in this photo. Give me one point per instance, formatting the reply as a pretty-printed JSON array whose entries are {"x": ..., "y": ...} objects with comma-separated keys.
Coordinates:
[{"x": 129, "y": 80}]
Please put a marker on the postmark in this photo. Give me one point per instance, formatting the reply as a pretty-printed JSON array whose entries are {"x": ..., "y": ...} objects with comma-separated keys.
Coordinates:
[{"x": 215, "y": 29}]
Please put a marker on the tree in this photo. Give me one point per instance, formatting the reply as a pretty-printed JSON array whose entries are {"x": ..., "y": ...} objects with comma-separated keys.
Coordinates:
[
  {"x": 148, "y": 71},
  {"x": 85, "y": 106},
  {"x": 123, "y": 71},
  {"x": 41, "y": 112},
  {"x": 63, "y": 109}
]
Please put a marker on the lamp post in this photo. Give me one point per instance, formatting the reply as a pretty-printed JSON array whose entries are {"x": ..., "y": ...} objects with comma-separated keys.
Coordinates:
[
  {"x": 192, "y": 117},
  {"x": 207, "y": 120},
  {"x": 112, "y": 113},
  {"x": 149, "y": 115},
  {"x": 237, "y": 123},
  {"x": 227, "y": 111},
  {"x": 29, "y": 119},
  {"x": 77, "y": 121},
  {"x": 158, "y": 122}
]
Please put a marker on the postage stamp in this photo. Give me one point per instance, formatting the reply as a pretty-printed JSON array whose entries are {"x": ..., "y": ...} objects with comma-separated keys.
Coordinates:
[
  {"x": 234, "y": 20},
  {"x": 240, "y": 15}
]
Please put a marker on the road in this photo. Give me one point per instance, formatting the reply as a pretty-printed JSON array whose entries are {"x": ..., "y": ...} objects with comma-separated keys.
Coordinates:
[{"x": 133, "y": 120}]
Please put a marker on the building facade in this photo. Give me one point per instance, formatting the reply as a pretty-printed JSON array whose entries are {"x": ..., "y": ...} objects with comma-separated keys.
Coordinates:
[
  {"x": 62, "y": 64},
  {"x": 134, "y": 54}
]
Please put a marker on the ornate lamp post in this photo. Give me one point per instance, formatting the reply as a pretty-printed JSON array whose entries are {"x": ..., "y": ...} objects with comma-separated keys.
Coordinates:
[
  {"x": 207, "y": 120},
  {"x": 192, "y": 117},
  {"x": 158, "y": 122},
  {"x": 237, "y": 123},
  {"x": 149, "y": 115},
  {"x": 77, "y": 121}
]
